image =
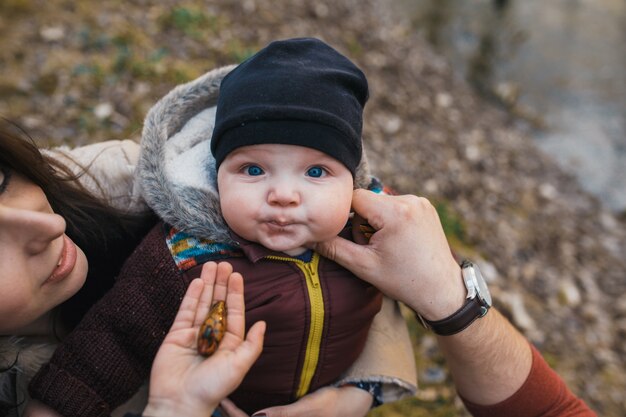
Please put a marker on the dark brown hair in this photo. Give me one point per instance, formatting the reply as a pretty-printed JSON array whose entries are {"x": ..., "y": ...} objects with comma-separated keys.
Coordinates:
[{"x": 105, "y": 234}]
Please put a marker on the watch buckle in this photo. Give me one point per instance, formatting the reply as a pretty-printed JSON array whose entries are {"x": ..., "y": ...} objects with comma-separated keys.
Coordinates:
[{"x": 421, "y": 319}]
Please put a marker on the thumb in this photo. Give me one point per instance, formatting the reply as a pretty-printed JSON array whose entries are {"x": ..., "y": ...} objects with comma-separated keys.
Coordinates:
[
  {"x": 352, "y": 256},
  {"x": 251, "y": 348},
  {"x": 228, "y": 408},
  {"x": 299, "y": 408},
  {"x": 280, "y": 411}
]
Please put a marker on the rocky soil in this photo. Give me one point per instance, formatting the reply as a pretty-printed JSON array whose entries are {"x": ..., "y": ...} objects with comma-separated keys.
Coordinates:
[{"x": 76, "y": 72}]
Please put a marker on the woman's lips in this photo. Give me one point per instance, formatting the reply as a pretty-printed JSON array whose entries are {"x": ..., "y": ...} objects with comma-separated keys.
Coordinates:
[{"x": 66, "y": 262}]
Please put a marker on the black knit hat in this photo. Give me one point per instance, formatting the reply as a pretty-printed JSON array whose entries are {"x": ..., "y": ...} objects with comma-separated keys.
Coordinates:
[{"x": 295, "y": 92}]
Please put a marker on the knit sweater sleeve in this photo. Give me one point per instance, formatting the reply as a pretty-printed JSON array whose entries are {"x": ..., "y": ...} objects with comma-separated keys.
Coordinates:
[
  {"x": 109, "y": 354},
  {"x": 543, "y": 394}
]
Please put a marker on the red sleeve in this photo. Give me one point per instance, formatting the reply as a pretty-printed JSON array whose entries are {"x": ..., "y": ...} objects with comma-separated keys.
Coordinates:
[
  {"x": 108, "y": 356},
  {"x": 543, "y": 394}
]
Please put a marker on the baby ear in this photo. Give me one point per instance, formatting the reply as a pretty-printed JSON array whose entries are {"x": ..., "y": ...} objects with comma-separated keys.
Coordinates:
[{"x": 362, "y": 174}]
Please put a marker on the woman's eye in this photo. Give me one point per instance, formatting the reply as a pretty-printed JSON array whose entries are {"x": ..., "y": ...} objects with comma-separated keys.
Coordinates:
[
  {"x": 315, "y": 172},
  {"x": 254, "y": 170},
  {"x": 5, "y": 176}
]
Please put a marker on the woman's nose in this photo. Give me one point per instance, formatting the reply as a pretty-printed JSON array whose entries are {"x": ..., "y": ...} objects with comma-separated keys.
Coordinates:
[{"x": 33, "y": 230}]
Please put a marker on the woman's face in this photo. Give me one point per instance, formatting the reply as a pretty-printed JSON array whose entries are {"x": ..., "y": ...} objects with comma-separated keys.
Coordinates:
[{"x": 40, "y": 267}]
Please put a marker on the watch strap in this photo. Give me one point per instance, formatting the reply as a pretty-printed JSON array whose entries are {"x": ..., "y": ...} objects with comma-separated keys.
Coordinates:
[{"x": 459, "y": 320}]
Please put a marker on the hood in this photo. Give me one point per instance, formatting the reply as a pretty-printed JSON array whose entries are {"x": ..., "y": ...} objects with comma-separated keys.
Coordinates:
[{"x": 176, "y": 169}]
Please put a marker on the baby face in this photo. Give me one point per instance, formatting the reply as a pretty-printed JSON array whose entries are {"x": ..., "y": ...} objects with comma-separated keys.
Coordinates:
[{"x": 284, "y": 196}]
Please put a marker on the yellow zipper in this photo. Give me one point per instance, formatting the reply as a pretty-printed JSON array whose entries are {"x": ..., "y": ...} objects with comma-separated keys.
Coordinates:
[{"x": 311, "y": 357}]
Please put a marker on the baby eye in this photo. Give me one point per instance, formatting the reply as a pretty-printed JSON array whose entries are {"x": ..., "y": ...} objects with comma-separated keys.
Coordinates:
[
  {"x": 254, "y": 170},
  {"x": 315, "y": 172}
]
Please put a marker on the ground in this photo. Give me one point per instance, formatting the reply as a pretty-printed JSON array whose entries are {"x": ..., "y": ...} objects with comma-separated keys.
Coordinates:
[{"x": 77, "y": 72}]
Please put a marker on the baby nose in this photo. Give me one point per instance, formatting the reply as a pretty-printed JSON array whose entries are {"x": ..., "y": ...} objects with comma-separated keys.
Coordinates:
[{"x": 284, "y": 196}]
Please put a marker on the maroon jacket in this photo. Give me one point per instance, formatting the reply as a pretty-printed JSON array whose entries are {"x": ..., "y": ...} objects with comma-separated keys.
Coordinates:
[
  {"x": 317, "y": 313},
  {"x": 108, "y": 356}
]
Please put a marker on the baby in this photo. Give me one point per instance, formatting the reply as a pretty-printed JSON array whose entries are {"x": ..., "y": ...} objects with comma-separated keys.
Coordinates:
[{"x": 287, "y": 142}]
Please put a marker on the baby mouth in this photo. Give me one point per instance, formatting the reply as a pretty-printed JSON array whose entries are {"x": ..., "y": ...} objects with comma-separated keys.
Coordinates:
[{"x": 277, "y": 225}]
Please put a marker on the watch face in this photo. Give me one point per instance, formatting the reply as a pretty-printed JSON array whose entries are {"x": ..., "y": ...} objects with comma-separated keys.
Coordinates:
[{"x": 477, "y": 282}]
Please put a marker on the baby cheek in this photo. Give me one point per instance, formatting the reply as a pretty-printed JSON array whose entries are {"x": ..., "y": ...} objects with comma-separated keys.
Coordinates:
[
  {"x": 335, "y": 216},
  {"x": 228, "y": 206},
  {"x": 238, "y": 212}
]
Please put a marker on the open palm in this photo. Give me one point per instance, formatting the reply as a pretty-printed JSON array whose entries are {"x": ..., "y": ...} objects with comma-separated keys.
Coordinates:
[{"x": 181, "y": 379}]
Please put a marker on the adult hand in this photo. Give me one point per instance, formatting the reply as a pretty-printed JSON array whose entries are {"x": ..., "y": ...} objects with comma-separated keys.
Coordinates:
[
  {"x": 184, "y": 383},
  {"x": 345, "y": 401},
  {"x": 407, "y": 257}
]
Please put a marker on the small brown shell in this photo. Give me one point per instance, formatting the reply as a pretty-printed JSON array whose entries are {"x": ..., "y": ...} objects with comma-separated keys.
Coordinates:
[{"x": 212, "y": 330}]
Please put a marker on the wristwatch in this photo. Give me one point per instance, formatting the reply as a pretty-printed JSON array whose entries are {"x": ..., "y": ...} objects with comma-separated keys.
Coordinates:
[{"x": 477, "y": 304}]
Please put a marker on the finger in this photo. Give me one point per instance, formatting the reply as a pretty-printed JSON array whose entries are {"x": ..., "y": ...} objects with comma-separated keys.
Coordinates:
[
  {"x": 248, "y": 352},
  {"x": 230, "y": 409},
  {"x": 304, "y": 406},
  {"x": 370, "y": 206},
  {"x": 187, "y": 310},
  {"x": 256, "y": 335},
  {"x": 236, "y": 322},
  {"x": 294, "y": 409},
  {"x": 224, "y": 270},
  {"x": 352, "y": 256},
  {"x": 208, "y": 275}
]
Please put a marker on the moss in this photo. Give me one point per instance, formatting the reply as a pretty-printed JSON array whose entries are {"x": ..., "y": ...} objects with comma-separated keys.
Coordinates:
[
  {"x": 92, "y": 41},
  {"x": 178, "y": 75},
  {"x": 190, "y": 21},
  {"x": 9, "y": 88},
  {"x": 415, "y": 407},
  {"x": 451, "y": 222},
  {"x": 355, "y": 49},
  {"x": 158, "y": 55},
  {"x": 16, "y": 7},
  {"x": 47, "y": 83},
  {"x": 89, "y": 74},
  {"x": 551, "y": 359},
  {"x": 238, "y": 52}
]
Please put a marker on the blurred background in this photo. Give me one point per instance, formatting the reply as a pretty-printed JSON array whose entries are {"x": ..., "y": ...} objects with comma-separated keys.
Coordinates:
[
  {"x": 508, "y": 115},
  {"x": 558, "y": 65}
]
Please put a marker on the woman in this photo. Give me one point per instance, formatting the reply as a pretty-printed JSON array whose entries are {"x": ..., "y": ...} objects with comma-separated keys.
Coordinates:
[
  {"x": 54, "y": 221},
  {"x": 51, "y": 229}
]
